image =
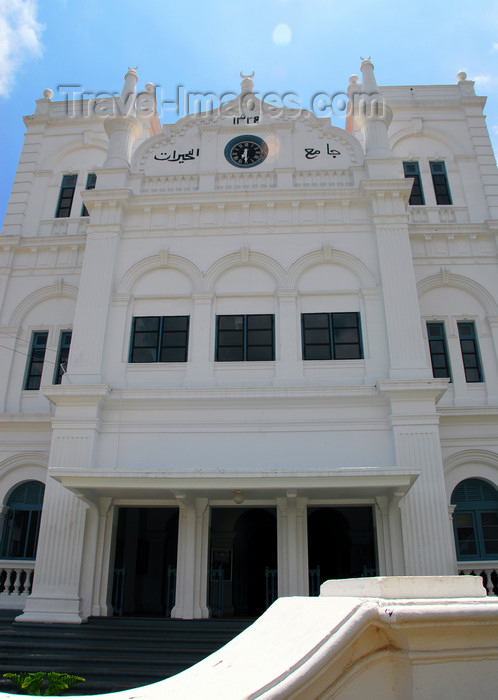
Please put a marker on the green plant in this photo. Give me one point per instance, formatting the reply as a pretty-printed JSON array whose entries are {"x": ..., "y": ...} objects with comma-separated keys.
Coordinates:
[{"x": 31, "y": 683}]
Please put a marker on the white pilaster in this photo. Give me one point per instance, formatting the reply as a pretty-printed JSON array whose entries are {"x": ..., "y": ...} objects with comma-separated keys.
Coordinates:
[
  {"x": 200, "y": 365},
  {"x": 427, "y": 540},
  {"x": 405, "y": 341},
  {"x": 288, "y": 366}
]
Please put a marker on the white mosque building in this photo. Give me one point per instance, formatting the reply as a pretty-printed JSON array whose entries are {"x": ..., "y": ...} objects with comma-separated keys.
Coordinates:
[{"x": 247, "y": 352}]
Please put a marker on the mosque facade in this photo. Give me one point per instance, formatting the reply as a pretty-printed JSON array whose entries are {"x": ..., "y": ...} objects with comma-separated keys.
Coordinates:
[{"x": 247, "y": 352}]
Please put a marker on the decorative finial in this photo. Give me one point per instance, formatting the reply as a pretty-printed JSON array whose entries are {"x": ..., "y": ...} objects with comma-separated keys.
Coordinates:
[
  {"x": 365, "y": 59},
  {"x": 461, "y": 76},
  {"x": 354, "y": 79},
  {"x": 48, "y": 94},
  {"x": 247, "y": 85}
]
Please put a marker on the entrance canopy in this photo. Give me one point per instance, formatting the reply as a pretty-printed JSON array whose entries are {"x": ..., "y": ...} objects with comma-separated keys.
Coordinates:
[{"x": 358, "y": 484}]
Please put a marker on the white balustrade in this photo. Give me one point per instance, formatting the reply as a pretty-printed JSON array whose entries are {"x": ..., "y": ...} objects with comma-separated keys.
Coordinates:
[
  {"x": 16, "y": 581},
  {"x": 488, "y": 571}
]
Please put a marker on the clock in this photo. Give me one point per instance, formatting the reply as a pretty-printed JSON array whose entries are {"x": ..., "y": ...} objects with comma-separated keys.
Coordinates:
[{"x": 246, "y": 151}]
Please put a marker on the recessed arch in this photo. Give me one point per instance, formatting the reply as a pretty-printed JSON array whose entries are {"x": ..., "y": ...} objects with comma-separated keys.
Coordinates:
[
  {"x": 467, "y": 464},
  {"x": 428, "y": 132},
  {"x": 56, "y": 290},
  {"x": 337, "y": 257},
  {"x": 445, "y": 278},
  {"x": 97, "y": 143},
  {"x": 163, "y": 260},
  {"x": 24, "y": 459},
  {"x": 245, "y": 257}
]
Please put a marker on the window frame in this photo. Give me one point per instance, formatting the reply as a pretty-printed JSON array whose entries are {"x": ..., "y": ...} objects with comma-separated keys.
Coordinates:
[
  {"x": 246, "y": 345},
  {"x": 34, "y": 348},
  {"x": 91, "y": 181},
  {"x": 476, "y": 508},
  {"x": 441, "y": 187},
  {"x": 66, "y": 196},
  {"x": 417, "y": 189},
  {"x": 445, "y": 353},
  {"x": 332, "y": 344},
  {"x": 470, "y": 337},
  {"x": 29, "y": 526},
  {"x": 161, "y": 333},
  {"x": 62, "y": 355}
]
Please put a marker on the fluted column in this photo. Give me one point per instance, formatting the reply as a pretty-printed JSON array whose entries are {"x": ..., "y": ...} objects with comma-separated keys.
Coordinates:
[
  {"x": 292, "y": 546},
  {"x": 55, "y": 596},
  {"x": 191, "y": 570}
]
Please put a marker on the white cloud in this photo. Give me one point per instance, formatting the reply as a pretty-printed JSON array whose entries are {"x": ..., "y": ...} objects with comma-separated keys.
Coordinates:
[
  {"x": 19, "y": 38},
  {"x": 485, "y": 81}
]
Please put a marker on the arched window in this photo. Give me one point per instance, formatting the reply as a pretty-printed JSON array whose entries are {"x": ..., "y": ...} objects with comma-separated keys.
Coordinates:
[
  {"x": 22, "y": 521},
  {"x": 475, "y": 520}
]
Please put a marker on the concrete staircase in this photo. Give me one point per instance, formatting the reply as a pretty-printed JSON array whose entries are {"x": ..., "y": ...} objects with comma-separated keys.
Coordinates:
[{"x": 111, "y": 653}]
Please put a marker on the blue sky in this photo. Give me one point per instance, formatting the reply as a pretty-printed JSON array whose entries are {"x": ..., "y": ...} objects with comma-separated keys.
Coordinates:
[{"x": 203, "y": 45}]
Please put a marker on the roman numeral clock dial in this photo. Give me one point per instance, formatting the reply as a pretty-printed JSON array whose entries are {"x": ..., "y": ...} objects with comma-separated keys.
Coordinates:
[{"x": 246, "y": 151}]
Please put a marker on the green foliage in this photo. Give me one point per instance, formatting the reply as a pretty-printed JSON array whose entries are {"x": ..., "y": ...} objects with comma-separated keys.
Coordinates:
[{"x": 31, "y": 683}]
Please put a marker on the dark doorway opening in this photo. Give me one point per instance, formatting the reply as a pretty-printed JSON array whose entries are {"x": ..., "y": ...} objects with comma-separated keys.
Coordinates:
[
  {"x": 243, "y": 561},
  {"x": 341, "y": 544},
  {"x": 145, "y": 562}
]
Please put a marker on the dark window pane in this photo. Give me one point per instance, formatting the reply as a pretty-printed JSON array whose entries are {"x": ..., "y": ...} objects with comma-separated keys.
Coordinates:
[
  {"x": 35, "y": 361},
  {"x": 262, "y": 353},
  {"x": 175, "y": 323},
  {"x": 259, "y": 321},
  {"x": 66, "y": 196},
  {"x": 412, "y": 170},
  {"x": 62, "y": 356},
  {"x": 440, "y": 182},
  {"x": 489, "y": 524},
  {"x": 347, "y": 352},
  {"x": 438, "y": 350},
  {"x": 230, "y": 322},
  {"x": 316, "y": 320},
  {"x": 318, "y": 352},
  {"x": 320, "y": 336},
  {"x": 230, "y": 354},
  {"x": 465, "y": 534},
  {"x": 345, "y": 335},
  {"x": 147, "y": 323}
]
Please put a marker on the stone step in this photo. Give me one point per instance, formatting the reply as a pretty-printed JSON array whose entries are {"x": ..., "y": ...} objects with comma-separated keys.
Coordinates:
[{"x": 112, "y": 653}]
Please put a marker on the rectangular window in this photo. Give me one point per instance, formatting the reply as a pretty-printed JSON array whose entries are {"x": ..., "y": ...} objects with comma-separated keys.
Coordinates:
[
  {"x": 66, "y": 196},
  {"x": 241, "y": 338},
  {"x": 35, "y": 360},
  {"x": 470, "y": 352},
  {"x": 417, "y": 194},
  {"x": 438, "y": 350},
  {"x": 91, "y": 181},
  {"x": 440, "y": 182},
  {"x": 331, "y": 336},
  {"x": 159, "y": 339},
  {"x": 62, "y": 355}
]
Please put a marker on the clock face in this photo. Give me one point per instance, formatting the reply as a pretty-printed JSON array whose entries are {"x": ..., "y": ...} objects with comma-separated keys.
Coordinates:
[{"x": 246, "y": 151}]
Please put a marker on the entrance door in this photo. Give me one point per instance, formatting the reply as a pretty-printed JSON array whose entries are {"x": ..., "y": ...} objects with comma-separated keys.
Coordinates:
[
  {"x": 243, "y": 561},
  {"x": 145, "y": 562},
  {"x": 341, "y": 544}
]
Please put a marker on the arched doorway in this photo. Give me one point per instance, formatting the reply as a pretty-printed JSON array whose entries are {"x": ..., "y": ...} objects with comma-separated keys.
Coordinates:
[
  {"x": 475, "y": 520},
  {"x": 341, "y": 544},
  {"x": 145, "y": 562},
  {"x": 243, "y": 561}
]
